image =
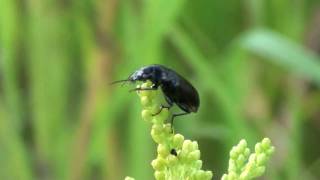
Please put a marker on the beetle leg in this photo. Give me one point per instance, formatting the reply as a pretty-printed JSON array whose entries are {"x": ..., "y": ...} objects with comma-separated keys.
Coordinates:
[
  {"x": 143, "y": 89},
  {"x": 162, "y": 107},
  {"x": 176, "y": 115}
]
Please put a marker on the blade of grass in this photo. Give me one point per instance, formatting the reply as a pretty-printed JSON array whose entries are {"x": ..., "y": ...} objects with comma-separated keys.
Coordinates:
[
  {"x": 281, "y": 51},
  {"x": 13, "y": 150},
  {"x": 10, "y": 26},
  {"x": 48, "y": 47},
  {"x": 95, "y": 122},
  {"x": 157, "y": 18},
  {"x": 14, "y": 155}
]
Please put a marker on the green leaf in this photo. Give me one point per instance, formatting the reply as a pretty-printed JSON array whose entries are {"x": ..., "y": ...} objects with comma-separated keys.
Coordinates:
[{"x": 284, "y": 52}]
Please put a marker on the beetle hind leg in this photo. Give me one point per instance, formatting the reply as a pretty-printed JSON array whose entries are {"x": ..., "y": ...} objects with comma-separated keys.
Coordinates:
[
  {"x": 170, "y": 104},
  {"x": 176, "y": 115}
]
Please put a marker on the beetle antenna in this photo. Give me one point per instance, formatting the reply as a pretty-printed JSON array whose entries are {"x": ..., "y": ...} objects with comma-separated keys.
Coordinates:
[{"x": 119, "y": 81}]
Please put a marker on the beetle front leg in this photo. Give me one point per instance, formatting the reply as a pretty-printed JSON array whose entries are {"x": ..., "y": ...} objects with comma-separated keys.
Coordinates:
[
  {"x": 162, "y": 107},
  {"x": 143, "y": 89},
  {"x": 153, "y": 87}
]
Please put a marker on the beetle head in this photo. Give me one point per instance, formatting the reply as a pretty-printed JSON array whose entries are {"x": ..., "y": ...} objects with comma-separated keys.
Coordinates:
[{"x": 142, "y": 74}]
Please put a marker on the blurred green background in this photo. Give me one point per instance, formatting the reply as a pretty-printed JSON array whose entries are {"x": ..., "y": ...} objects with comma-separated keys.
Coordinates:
[{"x": 255, "y": 63}]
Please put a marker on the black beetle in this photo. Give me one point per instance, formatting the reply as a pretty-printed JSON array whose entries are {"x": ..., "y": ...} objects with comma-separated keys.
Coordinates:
[{"x": 175, "y": 88}]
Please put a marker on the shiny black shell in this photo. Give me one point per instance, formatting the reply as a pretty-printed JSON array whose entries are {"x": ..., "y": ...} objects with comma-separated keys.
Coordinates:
[{"x": 175, "y": 87}]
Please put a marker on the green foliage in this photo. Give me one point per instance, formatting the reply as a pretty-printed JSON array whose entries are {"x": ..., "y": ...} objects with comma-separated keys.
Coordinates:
[
  {"x": 283, "y": 52},
  {"x": 255, "y": 64}
]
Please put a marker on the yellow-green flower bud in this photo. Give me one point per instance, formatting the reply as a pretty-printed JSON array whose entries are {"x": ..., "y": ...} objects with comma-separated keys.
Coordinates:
[
  {"x": 232, "y": 176},
  {"x": 261, "y": 159},
  {"x": 198, "y": 164},
  {"x": 258, "y": 148},
  {"x": 129, "y": 178},
  {"x": 195, "y": 145},
  {"x": 266, "y": 143},
  {"x": 146, "y": 115},
  {"x": 224, "y": 177},
  {"x": 242, "y": 145},
  {"x": 187, "y": 146},
  {"x": 244, "y": 175},
  {"x": 162, "y": 116},
  {"x": 172, "y": 160},
  {"x": 259, "y": 171},
  {"x": 158, "y": 128},
  {"x": 232, "y": 165},
  {"x": 168, "y": 129},
  {"x": 158, "y": 164},
  {"x": 238, "y": 150},
  {"x": 241, "y": 159},
  {"x": 145, "y": 101},
  {"x": 194, "y": 155},
  {"x": 200, "y": 174},
  {"x": 154, "y": 109},
  {"x": 270, "y": 151},
  {"x": 159, "y": 175},
  {"x": 246, "y": 153},
  {"x": 233, "y": 153},
  {"x": 208, "y": 175},
  {"x": 177, "y": 140},
  {"x": 163, "y": 150},
  {"x": 143, "y": 93},
  {"x": 252, "y": 157},
  {"x": 156, "y": 136}
]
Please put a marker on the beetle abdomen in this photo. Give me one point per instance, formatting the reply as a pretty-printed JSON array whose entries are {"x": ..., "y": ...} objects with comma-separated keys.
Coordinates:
[{"x": 182, "y": 93}]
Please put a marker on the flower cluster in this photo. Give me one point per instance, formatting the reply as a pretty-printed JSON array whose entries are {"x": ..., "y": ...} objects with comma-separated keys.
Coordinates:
[
  {"x": 177, "y": 158},
  {"x": 243, "y": 166}
]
